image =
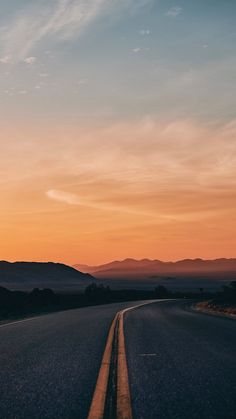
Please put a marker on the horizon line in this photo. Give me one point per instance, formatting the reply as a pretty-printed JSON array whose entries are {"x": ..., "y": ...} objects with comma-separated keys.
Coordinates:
[{"x": 120, "y": 260}]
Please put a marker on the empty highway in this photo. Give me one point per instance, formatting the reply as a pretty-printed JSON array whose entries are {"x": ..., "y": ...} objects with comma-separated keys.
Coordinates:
[{"x": 181, "y": 363}]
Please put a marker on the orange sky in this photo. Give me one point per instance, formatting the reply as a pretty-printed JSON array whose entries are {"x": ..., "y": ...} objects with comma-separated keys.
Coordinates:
[
  {"x": 91, "y": 194},
  {"x": 117, "y": 130}
]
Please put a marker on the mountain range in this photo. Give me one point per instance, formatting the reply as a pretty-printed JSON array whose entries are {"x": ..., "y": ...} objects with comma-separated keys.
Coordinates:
[
  {"x": 146, "y": 268},
  {"x": 35, "y": 274}
]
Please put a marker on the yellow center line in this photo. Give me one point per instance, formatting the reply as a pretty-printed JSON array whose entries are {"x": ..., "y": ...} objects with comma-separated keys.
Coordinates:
[{"x": 124, "y": 409}]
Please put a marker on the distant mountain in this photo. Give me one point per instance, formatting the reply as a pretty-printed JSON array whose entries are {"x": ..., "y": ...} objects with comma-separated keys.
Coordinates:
[
  {"x": 147, "y": 268},
  {"x": 40, "y": 274}
]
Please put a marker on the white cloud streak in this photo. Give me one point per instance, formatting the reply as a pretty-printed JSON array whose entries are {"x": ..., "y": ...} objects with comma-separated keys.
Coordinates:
[
  {"x": 144, "y": 32},
  {"x": 6, "y": 59},
  {"x": 63, "y": 18},
  {"x": 57, "y": 19},
  {"x": 174, "y": 11},
  {"x": 73, "y": 199},
  {"x": 65, "y": 197},
  {"x": 30, "y": 60},
  {"x": 135, "y": 50}
]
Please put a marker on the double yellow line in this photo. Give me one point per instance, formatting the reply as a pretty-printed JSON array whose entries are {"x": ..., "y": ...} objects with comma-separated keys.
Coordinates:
[{"x": 115, "y": 342}]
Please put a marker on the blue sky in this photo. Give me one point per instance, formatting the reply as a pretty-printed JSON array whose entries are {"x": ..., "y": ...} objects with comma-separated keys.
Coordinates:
[{"x": 118, "y": 59}]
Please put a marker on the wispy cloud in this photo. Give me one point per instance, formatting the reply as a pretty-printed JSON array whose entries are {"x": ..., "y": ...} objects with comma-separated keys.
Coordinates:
[
  {"x": 163, "y": 171},
  {"x": 144, "y": 32},
  {"x": 74, "y": 199},
  {"x": 138, "y": 49},
  {"x": 158, "y": 216},
  {"x": 174, "y": 11},
  {"x": 30, "y": 60},
  {"x": 58, "y": 20},
  {"x": 6, "y": 59},
  {"x": 65, "y": 197},
  {"x": 64, "y": 19},
  {"x": 135, "y": 50},
  {"x": 157, "y": 179}
]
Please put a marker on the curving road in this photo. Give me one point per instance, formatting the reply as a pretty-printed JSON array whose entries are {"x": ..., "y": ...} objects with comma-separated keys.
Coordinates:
[
  {"x": 181, "y": 363},
  {"x": 49, "y": 365}
]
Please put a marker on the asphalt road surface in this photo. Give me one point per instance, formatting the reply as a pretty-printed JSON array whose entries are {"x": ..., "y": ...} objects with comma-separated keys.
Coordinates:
[
  {"x": 49, "y": 366},
  {"x": 181, "y": 363}
]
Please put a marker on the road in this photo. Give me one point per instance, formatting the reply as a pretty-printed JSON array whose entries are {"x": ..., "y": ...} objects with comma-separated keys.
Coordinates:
[
  {"x": 181, "y": 364},
  {"x": 49, "y": 365}
]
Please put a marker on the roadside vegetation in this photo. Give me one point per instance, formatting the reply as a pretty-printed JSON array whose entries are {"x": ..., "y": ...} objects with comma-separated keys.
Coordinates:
[
  {"x": 19, "y": 304},
  {"x": 223, "y": 302}
]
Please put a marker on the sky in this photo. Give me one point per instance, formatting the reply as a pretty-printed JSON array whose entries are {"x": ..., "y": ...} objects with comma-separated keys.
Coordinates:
[{"x": 118, "y": 129}]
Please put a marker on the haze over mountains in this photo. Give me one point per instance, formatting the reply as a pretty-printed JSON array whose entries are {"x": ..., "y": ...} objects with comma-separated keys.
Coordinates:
[
  {"x": 126, "y": 274},
  {"x": 34, "y": 274},
  {"x": 146, "y": 268}
]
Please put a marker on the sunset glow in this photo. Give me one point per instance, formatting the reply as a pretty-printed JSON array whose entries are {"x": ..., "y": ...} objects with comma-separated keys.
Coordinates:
[{"x": 117, "y": 131}]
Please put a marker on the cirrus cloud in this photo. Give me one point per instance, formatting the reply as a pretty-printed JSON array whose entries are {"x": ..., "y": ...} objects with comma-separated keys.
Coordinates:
[{"x": 56, "y": 20}]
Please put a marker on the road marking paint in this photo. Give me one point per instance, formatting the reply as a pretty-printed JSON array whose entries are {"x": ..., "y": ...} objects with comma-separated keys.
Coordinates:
[
  {"x": 20, "y": 321},
  {"x": 123, "y": 402},
  {"x": 99, "y": 398},
  {"x": 124, "y": 410}
]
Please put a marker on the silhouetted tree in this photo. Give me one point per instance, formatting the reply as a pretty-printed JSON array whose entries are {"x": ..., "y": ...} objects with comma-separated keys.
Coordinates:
[
  {"x": 97, "y": 293},
  {"x": 162, "y": 292}
]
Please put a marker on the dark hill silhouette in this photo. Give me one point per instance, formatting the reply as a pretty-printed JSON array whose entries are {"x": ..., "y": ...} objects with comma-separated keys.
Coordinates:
[
  {"x": 39, "y": 274},
  {"x": 147, "y": 268}
]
